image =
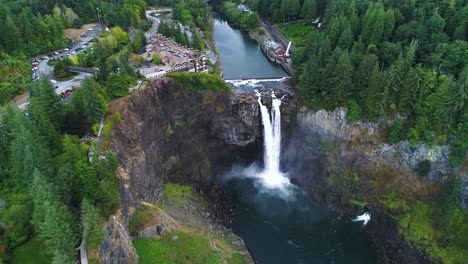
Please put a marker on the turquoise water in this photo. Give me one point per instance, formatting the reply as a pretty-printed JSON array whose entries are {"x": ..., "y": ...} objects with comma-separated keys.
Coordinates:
[{"x": 240, "y": 56}]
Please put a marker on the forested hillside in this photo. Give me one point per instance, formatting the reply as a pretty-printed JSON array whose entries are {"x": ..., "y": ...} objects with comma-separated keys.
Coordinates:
[
  {"x": 56, "y": 189},
  {"x": 386, "y": 60}
]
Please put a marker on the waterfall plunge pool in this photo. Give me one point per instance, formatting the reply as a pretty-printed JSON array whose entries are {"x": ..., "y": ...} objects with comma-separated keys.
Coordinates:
[{"x": 296, "y": 229}]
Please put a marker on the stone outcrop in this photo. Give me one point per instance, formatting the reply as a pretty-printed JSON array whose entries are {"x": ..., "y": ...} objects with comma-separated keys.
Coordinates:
[
  {"x": 117, "y": 247},
  {"x": 405, "y": 157},
  {"x": 322, "y": 126}
]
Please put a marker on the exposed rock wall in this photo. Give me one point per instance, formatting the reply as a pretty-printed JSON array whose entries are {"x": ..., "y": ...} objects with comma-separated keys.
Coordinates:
[
  {"x": 315, "y": 128},
  {"x": 117, "y": 247}
]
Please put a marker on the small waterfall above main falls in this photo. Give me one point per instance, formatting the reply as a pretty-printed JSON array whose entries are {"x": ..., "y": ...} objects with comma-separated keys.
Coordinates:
[{"x": 271, "y": 176}]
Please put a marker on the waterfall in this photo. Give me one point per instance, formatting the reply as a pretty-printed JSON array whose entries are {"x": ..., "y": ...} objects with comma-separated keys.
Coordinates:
[{"x": 271, "y": 174}]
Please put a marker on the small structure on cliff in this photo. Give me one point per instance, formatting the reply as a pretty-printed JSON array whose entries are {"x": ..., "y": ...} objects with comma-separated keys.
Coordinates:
[{"x": 276, "y": 53}]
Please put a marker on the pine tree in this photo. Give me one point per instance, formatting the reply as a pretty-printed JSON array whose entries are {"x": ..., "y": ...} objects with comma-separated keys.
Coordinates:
[
  {"x": 309, "y": 10},
  {"x": 374, "y": 108},
  {"x": 89, "y": 102},
  {"x": 52, "y": 220}
]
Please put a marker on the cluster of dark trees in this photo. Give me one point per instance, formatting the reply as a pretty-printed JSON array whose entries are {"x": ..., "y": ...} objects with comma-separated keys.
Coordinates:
[
  {"x": 53, "y": 186},
  {"x": 174, "y": 32},
  {"x": 392, "y": 60}
]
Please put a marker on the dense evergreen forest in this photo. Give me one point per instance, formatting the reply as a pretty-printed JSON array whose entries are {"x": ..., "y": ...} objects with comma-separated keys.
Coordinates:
[
  {"x": 57, "y": 189},
  {"x": 405, "y": 62}
]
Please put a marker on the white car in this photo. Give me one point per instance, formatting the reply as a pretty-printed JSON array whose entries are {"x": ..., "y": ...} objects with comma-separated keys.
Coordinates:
[
  {"x": 53, "y": 81},
  {"x": 66, "y": 49}
]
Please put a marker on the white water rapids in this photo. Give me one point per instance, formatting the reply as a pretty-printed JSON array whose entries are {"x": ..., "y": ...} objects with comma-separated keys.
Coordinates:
[
  {"x": 365, "y": 218},
  {"x": 271, "y": 176}
]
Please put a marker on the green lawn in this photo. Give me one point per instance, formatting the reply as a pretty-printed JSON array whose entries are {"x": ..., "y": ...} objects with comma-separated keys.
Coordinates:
[
  {"x": 187, "y": 248},
  {"x": 417, "y": 226},
  {"x": 298, "y": 33},
  {"x": 176, "y": 195},
  {"x": 32, "y": 252}
]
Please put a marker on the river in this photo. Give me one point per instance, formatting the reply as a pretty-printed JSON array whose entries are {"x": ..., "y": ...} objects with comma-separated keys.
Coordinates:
[
  {"x": 281, "y": 229},
  {"x": 240, "y": 56}
]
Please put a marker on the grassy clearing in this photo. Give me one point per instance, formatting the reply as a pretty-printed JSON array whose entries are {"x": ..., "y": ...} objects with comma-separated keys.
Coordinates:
[
  {"x": 187, "y": 248},
  {"x": 298, "y": 33},
  {"x": 394, "y": 202},
  {"x": 357, "y": 203},
  {"x": 32, "y": 252},
  {"x": 200, "y": 81},
  {"x": 176, "y": 195},
  {"x": 418, "y": 227}
]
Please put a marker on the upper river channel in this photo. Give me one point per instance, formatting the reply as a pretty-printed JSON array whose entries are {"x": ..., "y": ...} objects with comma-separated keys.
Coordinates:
[
  {"x": 277, "y": 230},
  {"x": 241, "y": 56}
]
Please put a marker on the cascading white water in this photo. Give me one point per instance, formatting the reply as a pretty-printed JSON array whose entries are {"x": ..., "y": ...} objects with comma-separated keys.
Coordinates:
[{"x": 271, "y": 175}]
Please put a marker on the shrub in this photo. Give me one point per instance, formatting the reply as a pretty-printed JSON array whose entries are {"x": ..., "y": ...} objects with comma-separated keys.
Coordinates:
[
  {"x": 200, "y": 81},
  {"x": 156, "y": 59},
  {"x": 396, "y": 133},
  {"x": 423, "y": 168},
  {"x": 354, "y": 111},
  {"x": 413, "y": 137}
]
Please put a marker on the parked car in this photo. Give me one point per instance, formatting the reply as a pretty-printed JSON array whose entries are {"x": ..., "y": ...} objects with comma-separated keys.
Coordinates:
[{"x": 53, "y": 81}]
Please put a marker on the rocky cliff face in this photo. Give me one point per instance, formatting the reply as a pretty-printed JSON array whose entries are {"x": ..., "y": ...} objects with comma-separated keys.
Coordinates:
[{"x": 316, "y": 132}]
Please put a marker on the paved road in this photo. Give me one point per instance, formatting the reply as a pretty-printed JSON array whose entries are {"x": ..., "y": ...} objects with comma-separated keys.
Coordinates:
[{"x": 154, "y": 29}]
